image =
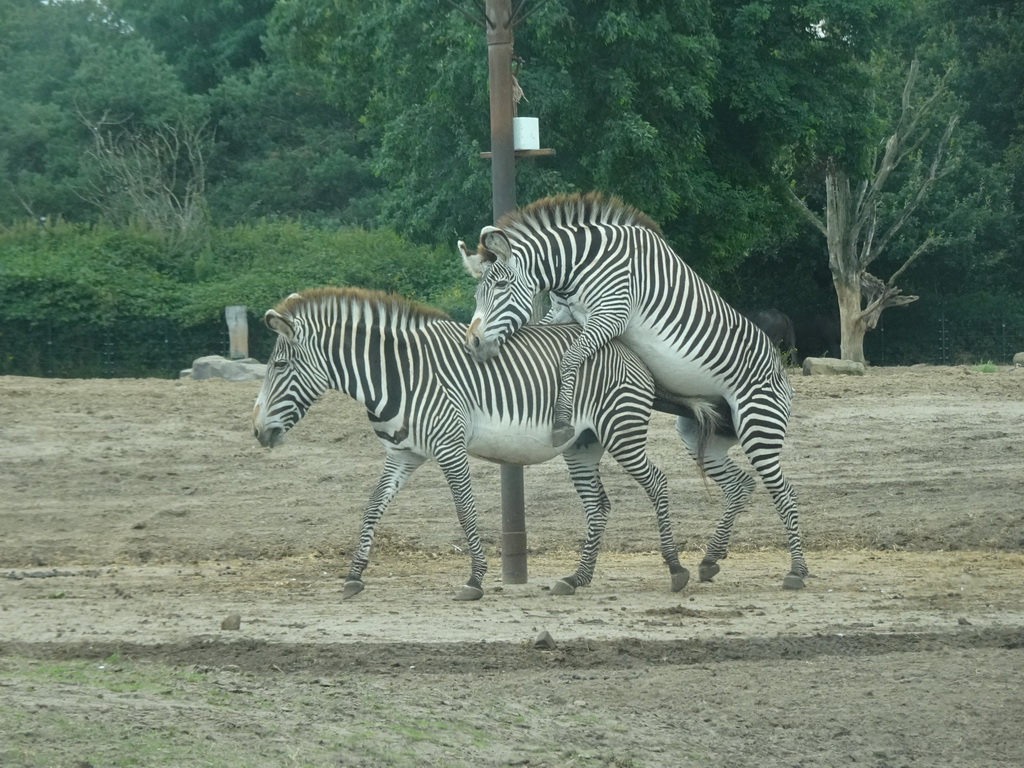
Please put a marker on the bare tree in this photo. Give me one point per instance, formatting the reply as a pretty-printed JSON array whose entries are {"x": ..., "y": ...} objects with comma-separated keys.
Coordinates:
[
  {"x": 156, "y": 177},
  {"x": 851, "y": 219}
]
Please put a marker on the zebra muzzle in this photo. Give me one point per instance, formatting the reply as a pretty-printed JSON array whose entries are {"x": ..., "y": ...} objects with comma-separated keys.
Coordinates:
[
  {"x": 479, "y": 348},
  {"x": 269, "y": 438},
  {"x": 473, "y": 337}
]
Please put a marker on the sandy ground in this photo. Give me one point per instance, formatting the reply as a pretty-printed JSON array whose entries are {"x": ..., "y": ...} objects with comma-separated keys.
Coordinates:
[{"x": 137, "y": 515}]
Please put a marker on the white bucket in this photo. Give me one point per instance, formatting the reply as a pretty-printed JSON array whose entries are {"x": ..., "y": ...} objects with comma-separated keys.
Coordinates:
[{"x": 526, "y": 133}]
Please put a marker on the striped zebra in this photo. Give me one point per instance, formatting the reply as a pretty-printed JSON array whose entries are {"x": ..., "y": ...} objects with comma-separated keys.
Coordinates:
[
  {"x": 610, "y": 268},
  {"x": 427, "y": 400}
]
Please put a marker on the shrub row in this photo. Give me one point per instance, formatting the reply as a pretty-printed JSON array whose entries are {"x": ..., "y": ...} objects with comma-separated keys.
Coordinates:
[
  {"x": 97, "y": 301},
  {"x": 68, "y": 289}
]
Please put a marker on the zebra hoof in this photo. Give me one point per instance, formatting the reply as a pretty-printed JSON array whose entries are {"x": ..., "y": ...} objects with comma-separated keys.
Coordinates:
[
  {"x": 468, "y": 594},
  {"x": 562, "y": 433},
  {"x": 352, "y": 588},
  {"x": 563, "y": 587},
  {"x": 708, "y": 571},
  {"x": 680, "y": 580},
  {"x": 793, "y": 581}
]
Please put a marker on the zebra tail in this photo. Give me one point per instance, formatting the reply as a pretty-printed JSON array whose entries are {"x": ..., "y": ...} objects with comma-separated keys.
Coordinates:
[{"x": 713, "y": 417}]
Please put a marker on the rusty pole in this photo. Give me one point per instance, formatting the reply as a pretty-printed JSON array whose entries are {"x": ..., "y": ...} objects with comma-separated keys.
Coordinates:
[{"x": 503, "y": 200}]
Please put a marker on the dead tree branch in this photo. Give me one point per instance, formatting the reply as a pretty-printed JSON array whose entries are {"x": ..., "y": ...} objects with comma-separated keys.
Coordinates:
[
  {"x": 805, "y": 211},
  {"x": 156, "y": 177}
]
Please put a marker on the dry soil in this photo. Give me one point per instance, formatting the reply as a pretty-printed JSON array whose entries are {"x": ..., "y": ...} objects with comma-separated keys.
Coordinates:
[{"x": 139, "y": 517}]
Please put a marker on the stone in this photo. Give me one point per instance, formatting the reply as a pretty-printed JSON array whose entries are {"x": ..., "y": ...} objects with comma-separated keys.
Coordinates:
[
  {"x": 544, "y": 641},
  {"x": 1018, "y": 360},
  {"x": 830, "y": 366},
  {"x": 234, "y": 621},
  {"x": 217, "y": 367}
]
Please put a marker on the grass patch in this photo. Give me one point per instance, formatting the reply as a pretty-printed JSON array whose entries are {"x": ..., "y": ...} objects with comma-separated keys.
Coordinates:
[
  {"x": 111, "y": 674},
  {"x": 123, "y": 714}
]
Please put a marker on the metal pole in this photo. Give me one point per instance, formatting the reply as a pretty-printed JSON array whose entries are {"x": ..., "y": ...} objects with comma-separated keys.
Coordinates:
[
  {"x": 503, "y": 199},
  {"x": 499, "y": 63}
]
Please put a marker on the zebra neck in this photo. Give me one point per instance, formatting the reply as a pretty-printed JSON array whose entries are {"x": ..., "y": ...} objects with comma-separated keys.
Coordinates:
[
  {"x": 548, "y": 274},
  {"x": 368, "y": 364}
]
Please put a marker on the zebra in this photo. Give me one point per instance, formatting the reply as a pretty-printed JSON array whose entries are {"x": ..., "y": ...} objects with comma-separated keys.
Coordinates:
[
  {"x": 425, "y": 399},
  {"x": 610, "y": 267}
]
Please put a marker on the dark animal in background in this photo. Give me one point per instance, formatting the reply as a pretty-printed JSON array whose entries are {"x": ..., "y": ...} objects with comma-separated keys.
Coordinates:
[
  {"x": 777, "y": 327},
  {"x": 820, "y": 336}
]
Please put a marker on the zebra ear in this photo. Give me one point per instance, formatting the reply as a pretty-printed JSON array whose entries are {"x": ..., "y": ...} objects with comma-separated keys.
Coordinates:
[
  {"x": 279, "y": 324},
  {"x": 494, "y": 244},
  {"x": 475, "y": 263}
]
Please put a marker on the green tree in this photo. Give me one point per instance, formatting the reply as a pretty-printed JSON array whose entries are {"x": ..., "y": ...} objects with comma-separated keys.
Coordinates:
[
  {"x": 147, "y": 156},
  {"x": 983, "y": 249},
  {"x": 620, "y": 90},
  {"x": 284, "y": 149},
  {"x": 85, "y": 98},
  {"x": 205, "y": 41},
  {"x": 680, "y": 108},
  {"x": 861, "y": 217},
  {"x": 929, "y": 178},
  {"x": 414, "y": 73},
  {"x": 625, "y": 93},
  {"x": 41, "y": 141}
]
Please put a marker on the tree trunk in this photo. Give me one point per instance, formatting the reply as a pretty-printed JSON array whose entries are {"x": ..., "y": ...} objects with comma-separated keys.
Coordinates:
[
  {"x": 843, "y": 228},
  {"x": 851, "y": 322}
]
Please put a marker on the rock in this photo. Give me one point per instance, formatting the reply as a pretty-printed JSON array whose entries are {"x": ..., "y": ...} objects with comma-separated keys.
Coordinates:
[
  {"x": 830, "y": 366},
  {"x": 1018, "y": 360},
  {"x": 544, "y": 641},
  {"x": 217, "y": 367},
  {"x": 234, "y": 621}
]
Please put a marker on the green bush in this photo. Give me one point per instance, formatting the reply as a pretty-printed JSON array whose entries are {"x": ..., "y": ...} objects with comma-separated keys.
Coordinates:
[
  {"x": 66, "y": 274},
  {"x": 78, "y": 299},
  {"x": 260, "y": 264}
]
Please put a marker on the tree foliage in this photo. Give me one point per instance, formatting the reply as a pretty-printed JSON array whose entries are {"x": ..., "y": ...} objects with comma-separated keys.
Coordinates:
[
  {"x": 284, "y": 149},
  {"x": 205, "y": 41},
  {"x": 881, "y": 201},
  {"x": 342, "y": 115}
]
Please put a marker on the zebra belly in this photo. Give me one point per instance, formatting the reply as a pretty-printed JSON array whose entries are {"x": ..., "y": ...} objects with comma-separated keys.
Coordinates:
[
  {"x": 670, "y": 369},
  {"x": 510, "y": 442}
]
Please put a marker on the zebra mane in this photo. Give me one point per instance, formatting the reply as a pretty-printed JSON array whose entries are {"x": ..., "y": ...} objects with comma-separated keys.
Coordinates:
[
  {"x": 372, "y": 307},
  {"x": 575, "y": 209}
]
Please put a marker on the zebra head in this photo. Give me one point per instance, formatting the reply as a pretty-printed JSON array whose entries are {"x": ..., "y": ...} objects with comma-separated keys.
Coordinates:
[
  {"x": 504, "y": 297},
  {"x": 295, "y": 377}
]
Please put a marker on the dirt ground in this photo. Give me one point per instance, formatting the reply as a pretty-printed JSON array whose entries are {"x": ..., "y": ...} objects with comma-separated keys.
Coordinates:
[{"x": 136, "y": 516}]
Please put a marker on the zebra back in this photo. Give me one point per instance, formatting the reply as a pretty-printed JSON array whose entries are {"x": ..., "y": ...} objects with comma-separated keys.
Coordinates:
[
  {"x": 395, "y": 355},
  {"x": 596, "y": 248}
]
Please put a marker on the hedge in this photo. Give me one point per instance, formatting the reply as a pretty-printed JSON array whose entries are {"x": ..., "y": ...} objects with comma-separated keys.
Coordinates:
[{"x": 69, "y": 289}]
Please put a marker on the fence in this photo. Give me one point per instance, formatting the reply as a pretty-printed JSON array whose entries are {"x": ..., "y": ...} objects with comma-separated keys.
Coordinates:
[
  {"x": 939, "y": 335},
  {"x": 159, "y": 349},
  {"x": 146, "y": 348}
]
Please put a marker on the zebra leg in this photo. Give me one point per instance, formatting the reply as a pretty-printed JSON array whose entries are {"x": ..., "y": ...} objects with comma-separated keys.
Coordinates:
[
  {"x": 398, "y": 466},
  {"x": 736, "y": 484},
  {"x": 597, "y": 331},
  {"x": 584, "y": 470},
  {"x": 763, "y": 452},
  {"x": 784, "y": 497},
  {"x": 629, "y": 449},
  {"x": 455, "y": 466}
]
